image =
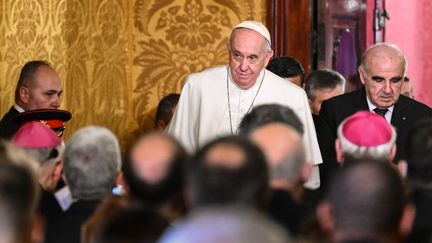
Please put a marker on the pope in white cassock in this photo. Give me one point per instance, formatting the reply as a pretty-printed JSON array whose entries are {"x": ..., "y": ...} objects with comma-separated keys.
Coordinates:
[{"x": 214, "y": 101}]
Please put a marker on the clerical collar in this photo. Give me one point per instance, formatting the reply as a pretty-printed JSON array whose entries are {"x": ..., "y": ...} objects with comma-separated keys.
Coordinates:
[{"x": 389, "y": 113}]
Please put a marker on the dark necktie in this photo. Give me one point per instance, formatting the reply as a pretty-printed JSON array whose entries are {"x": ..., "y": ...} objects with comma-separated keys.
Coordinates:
[{"x": 380, "y": 112}]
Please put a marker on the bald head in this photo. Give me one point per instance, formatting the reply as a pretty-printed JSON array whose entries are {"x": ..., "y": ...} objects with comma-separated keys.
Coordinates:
[
  {"x": 383, "y": 53},
  {"x": 227, "y": 171},
  {"x": 151, "y": 157},
  {"x": 283, "y": 148},
  {"x": 154, "y": 168}
]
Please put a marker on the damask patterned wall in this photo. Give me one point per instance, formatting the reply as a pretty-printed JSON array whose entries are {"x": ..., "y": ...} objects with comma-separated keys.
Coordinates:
[{"x": 117, "y": 58}]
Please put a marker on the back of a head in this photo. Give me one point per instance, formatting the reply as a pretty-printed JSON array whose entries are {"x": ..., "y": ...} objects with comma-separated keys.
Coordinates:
[
  {"x": 323, "y": 79},
  {"x": 19, "y": 194},
  {"x": 165, "y": 109},
  {"x": 286, "y": 67},
  {"x": 228, "y": 171},
  {"x": 283, "y": 147},
  {"x": 419, "y": 153},
  {"x": 269, "y": 113},
  {"x": 131, "y": 225},
  {"x": 366, "y": 135},
  {"x": 367, "y": 197},
  {"x": 27, "y": 74},
  {"x": 91, "y": 162},
  {"x": 154, "y": 168},
  {"x": 216, "y": 225}
]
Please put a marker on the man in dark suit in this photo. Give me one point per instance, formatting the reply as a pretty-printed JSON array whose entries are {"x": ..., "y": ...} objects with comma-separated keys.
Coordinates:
[
  {"x": 382, "y": 69},
  {"x": 38, "y": 87}
]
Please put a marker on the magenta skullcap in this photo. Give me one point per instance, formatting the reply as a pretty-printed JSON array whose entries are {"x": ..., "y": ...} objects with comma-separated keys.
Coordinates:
[
  {"x": 35, "y": 135},
  {"x": 256, "y": 26},
  {"x": 367, "y": 129}
]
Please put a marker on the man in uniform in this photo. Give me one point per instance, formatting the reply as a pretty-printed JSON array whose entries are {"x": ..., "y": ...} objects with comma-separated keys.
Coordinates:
[{"x": 38, "y": 87}]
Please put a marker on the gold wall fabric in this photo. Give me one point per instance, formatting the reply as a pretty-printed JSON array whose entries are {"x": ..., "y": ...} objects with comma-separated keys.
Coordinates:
[{"x": 117, "y": 58}]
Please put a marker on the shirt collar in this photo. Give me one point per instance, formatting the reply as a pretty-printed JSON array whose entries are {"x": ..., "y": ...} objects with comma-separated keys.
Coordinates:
[
  {"x": 372, "y": 106},
  {"x": 18, "y": 108}
]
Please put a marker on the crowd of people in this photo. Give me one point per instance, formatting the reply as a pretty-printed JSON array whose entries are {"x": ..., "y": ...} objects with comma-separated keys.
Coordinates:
[{"x": 244, "y": 154}]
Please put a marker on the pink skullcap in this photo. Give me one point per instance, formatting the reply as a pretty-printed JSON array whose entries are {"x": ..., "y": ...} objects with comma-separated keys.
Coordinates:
[
  {"x": 367, "y": 129},
  {"x": 34, "y": 135}
]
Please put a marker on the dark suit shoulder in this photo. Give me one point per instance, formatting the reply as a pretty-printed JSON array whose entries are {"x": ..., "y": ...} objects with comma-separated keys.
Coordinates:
[
  {"x": 7, "y": 126},
  {"x": 414, "y": 106}
]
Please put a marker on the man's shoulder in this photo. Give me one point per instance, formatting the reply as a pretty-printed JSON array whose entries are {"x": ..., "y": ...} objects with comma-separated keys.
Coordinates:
[
  {"x": 414, "y": 105},
  {"x": 282, "y": 85},
  {"x": 207, "y": 75}
]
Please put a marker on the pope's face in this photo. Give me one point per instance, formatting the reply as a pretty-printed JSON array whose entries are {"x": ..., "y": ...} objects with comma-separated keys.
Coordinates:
[
  {"x": 383, "y": 79},
  {"x": 248, "y": 55}
]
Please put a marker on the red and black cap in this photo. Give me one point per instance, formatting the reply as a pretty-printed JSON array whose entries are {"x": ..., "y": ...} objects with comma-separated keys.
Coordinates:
[{"x": 52, "y": 118}]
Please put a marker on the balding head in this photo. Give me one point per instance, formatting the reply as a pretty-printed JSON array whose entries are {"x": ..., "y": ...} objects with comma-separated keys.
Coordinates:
[
  {"x": 228, "y": 171},
  {"x": 283, "y": 148},
  {"x": 382, "y": 70},
  {"x": 154, "y": 168},
  {"x": 383, "y": 53}
]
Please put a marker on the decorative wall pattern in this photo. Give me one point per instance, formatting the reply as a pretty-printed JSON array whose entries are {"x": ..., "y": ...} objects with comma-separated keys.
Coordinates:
[{"x": 117, "y": 58}]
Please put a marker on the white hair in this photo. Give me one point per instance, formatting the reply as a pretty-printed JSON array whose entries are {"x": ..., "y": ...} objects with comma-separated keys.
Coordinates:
[{"x": 91, "y": 162}]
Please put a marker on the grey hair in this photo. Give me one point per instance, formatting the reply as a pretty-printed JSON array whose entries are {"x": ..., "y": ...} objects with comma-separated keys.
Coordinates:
[
  {"x": 291, "y": 167},
  {"x": 91, "y": 162}
]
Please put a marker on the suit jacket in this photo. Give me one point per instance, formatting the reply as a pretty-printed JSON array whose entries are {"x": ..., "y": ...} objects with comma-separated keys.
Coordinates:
[
  {"x": 66, "y": 228},
  {"x": 7, "y": 126},
  {"x": 333, "y": 111}
]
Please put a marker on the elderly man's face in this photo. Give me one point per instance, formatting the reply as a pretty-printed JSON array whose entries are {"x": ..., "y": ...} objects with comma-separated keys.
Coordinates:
[
  {"x": 248, "y": 55},
  {"x": 383, "y": 77},
  {"x": 44, "y": 92}
]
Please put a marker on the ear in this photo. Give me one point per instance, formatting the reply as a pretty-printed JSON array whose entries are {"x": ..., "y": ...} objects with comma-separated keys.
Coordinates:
[
  {"x": 268, "y": 56},
  {"x": 57, "y": 172},
  {"x": 339, "y": 153},
  {"x": 361, "y": 75},
  {"x": 120, "y": 181},
  {"x": 407, "y": 219},
  {"x": 160, "y": 125},
  {"x": 24, "y": 94},
  {"x": 325, "y": 217},
  {"x": 392, "y": 153},
  {"x": 402, "y": 167}
]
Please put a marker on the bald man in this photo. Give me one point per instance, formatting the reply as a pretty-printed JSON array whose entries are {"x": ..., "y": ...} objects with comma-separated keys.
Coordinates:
[
  {"x": 382, "y": 70},
  {"x": 153, "y": 171}
]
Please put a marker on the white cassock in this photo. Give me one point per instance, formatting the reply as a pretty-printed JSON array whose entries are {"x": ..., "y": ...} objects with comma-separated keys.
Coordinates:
[{"x": 203, "y": 114}]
